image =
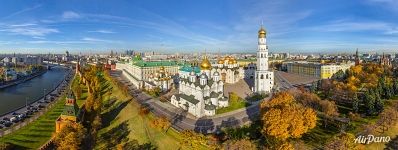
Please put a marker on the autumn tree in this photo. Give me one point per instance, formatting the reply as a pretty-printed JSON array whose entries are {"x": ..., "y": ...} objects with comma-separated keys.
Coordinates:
[
  {"x": 70, "y": 137},
  {"x": 343, "y": 141},
  {"x": 242, "y": 144},
  {"x": 192, "y": 140},
  {"x": 161, "y": 123},
  {"x": 285, "y": 118},
  {"x": 329, "y": 109}
]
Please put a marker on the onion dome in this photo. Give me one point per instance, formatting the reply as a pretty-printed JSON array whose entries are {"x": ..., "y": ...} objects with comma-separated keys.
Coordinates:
[
  {"x": 262, "y": 33},
  {"x": 192, "y": 73},
  {"x": 205, "y": 65},
  {"x": 203, "y": 76},
  {"x": 161, "y": 69},
  {"x": 220, "y": 61}
]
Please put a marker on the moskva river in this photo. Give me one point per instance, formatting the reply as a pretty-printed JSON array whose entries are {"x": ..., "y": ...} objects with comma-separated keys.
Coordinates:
[{"x": 16, "y": 96}]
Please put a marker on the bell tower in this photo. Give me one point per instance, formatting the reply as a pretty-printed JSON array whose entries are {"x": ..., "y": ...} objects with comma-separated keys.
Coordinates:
[{"x": 264, "y": 79}]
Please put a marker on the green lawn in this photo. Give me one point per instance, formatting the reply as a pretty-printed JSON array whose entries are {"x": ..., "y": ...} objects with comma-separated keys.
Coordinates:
[
  {"x": 76, "y": 81},
  {"x": 38, "y": 132},
  {"x": 122, "y": 123},
  {"x": 233, "y": 105}
]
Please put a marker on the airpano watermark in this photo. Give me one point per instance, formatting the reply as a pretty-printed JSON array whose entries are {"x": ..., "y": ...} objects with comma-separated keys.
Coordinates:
[{"x": 372, "y": 139}]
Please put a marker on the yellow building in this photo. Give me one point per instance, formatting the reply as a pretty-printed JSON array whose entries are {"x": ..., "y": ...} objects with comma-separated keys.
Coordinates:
[
  {"x": 69, "y": 114},
  {"x": 315, "y": 69}
]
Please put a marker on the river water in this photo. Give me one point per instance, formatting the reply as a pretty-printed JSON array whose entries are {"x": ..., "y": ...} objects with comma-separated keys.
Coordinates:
[{"x": 16, "y": 96}]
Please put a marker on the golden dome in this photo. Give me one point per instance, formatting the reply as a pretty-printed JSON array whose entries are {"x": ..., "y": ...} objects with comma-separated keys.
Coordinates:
[
  {"x": 161, "y": 69},
  {"x": 205, "y": 65},
  {"x": 220, "y": 61},
  {"x": 262, "y": 32},
  {"x": 235, "y": 61},
  {"x": 230, "y": 62}
]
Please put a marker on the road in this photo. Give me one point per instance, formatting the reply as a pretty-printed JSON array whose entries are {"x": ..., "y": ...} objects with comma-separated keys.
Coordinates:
[{"x": 282, "y": 83}]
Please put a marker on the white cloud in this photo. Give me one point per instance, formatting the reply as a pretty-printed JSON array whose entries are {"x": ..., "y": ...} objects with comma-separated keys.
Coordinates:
[
  {"x": 96, "y": 40},
  {"x": 102, "y": 31},
  {"x": 70, "y": 15},
  {"x": 22, "y": 11},
  {"x": 28, "y": 30}
]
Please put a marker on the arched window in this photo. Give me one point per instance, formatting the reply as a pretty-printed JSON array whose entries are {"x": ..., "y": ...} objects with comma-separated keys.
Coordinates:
[
  {"x": 267, "y": 76},
  {"x": 262, "y": 76},
  {"x": 261, "y": 55}
]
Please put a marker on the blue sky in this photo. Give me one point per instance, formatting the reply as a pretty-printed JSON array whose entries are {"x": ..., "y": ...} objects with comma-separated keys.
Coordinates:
[{"x": 192, "y": 25}]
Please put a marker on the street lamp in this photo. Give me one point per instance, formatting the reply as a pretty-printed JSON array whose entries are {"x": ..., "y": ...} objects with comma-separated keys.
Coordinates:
[
  {"x": 26, "y": 102},
  {"x": 44, "y": 94}
]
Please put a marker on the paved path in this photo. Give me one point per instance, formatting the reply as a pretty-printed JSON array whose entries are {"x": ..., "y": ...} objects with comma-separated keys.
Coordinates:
[{"x": 182, "y": 120}]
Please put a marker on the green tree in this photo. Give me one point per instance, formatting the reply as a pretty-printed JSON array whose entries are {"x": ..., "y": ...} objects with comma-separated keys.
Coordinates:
[
  {"x": 378, "y": 103},
  {"x": 355, "y": 103},
  {"x": 369, "y": 99}
]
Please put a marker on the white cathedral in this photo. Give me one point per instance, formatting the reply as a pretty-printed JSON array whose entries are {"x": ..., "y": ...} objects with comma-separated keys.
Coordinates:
[
  {"x": 264, "y": 79},
  {"x": 201, "y": 94}
]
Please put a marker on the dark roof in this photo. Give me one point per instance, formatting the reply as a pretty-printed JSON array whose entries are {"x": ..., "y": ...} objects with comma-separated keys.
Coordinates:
[
  {"x": 223, "y": 99},
  {"x": 214, "y": 94},
  {"x": 189, "y": 98},
  {"x": 71, "y": 110},
  {"x": 210, "y": 107}
]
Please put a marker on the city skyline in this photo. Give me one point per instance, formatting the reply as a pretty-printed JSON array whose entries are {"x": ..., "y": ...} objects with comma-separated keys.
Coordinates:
[{"x": 173, "y": 26}]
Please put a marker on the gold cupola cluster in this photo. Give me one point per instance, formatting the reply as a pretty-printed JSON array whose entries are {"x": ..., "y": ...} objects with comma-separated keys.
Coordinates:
[
  {"x": 262, "y": 33},
  {"x": 160, "y": 75},
  {"x": 227, "y": 60}
]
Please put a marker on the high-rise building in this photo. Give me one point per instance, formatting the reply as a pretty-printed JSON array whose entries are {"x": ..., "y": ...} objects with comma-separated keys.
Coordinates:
[{"x": 264, "y": 79}]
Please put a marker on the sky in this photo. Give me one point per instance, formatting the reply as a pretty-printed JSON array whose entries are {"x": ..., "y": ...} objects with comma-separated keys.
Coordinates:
[{"x": 187, "y": 26}]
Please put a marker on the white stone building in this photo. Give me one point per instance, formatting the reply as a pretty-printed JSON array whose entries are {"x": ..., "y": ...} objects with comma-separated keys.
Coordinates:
[
  {"x": 201, "y": 94},
  {"x": 161, "y": 79},
  {"x": 264, "y": 78},
  {"x": 229, "y": 70}
]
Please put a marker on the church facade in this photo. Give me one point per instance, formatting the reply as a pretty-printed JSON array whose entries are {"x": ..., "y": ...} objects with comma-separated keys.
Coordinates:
[
  {"x": 264, "y": 78},
  {"x": 229, "y": 70},
  {"x": 201, "y": 94}
]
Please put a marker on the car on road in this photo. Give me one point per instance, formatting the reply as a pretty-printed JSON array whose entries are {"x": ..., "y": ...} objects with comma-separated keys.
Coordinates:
[
  {"x": 14, "y": 119},
  {"x": 7, "y": 124},
  {"x": 6, "y": 119}
]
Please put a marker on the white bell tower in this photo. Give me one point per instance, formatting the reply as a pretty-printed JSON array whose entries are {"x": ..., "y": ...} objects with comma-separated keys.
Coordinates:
[{"x": 264, "y": 79}]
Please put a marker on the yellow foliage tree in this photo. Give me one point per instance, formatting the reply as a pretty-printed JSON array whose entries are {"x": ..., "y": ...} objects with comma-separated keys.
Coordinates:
[{"x": 284, "y": 118}]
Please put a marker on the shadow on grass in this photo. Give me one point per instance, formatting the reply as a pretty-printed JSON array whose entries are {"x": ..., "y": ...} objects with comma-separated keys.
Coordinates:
[
  {"x": 115, "y": 135},
  {"x": 111, "y": 114},
  {"x": 318, "y": 136},
  {"x": 118, "y": 135}
]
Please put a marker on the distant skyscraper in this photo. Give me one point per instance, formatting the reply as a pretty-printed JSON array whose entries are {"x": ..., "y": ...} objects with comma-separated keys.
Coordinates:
[
  {"x": 357, "y": 59},
  {"x": 264, "y": 79}
]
